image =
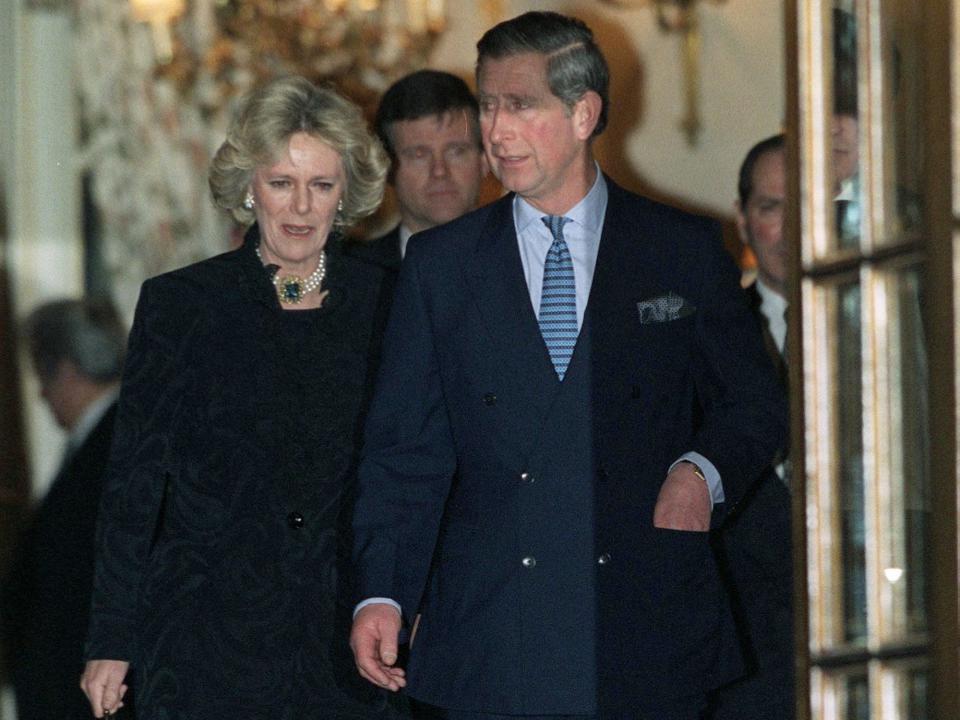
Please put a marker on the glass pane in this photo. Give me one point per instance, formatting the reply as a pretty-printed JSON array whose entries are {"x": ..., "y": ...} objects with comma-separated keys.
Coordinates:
[
  {"x": 904, "y": 690},
  {"x": 845, "y": 127},
  {"x": 903, "y": 74},
  {"x": 916, "y": 695},
  {"x": 840, "y": 693},
  {"x": 856, "y": 705},
  {"x": 904, "y": 540},
  {"x": 849, "y": 424}
]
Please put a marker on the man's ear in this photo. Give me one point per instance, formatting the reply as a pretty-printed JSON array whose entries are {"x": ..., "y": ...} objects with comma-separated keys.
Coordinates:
[
  {"x": 586, "y": 113},
  {"x": 741, "y": 223},
  {"x": 68, "y": 372}
]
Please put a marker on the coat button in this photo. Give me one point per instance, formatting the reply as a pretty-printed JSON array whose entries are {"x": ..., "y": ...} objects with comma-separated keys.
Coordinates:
[
  {"x": 527, "y": 477},
  {"x": 529, "y": 561},
  {"x": 295, "y": 520},
  {"x": 603, "y": 559},
  {"x": 489, "y": 399}
]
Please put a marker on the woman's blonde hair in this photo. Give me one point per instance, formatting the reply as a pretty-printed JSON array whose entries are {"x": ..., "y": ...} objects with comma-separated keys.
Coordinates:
[{"x": 262, "y": 126}]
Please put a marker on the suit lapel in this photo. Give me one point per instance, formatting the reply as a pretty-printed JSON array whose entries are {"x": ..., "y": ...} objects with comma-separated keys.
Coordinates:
[
  {"x": 768, "y": 342},
  {"x": 517, "y": 354},
  {"x": 92, "y": 450},
  {"x": 389, "y": 248},
  {"x": 623, "y": 275},
  {"x": 495, "y": 277}
]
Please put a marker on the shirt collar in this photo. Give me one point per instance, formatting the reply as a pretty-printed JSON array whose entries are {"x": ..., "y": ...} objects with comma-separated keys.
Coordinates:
[
  {"x": 848, "y": 189},
  {"x": 404, "y": 234},
  {"x": 588, "y": 213},
  {"x": 772, "y": 302},
  {"x": 91, "y": 416}
]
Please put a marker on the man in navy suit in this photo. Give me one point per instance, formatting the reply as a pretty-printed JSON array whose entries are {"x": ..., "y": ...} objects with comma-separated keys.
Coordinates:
[
  {"x": 428, "y": 123},
  {"x": 572, "y": 391},
  {"x": 754, "y": 543},
  {"x": 77, "y": 348}
]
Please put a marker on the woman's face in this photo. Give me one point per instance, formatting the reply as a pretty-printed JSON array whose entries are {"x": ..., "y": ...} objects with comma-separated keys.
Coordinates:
[{"x": 295, "y": 201}]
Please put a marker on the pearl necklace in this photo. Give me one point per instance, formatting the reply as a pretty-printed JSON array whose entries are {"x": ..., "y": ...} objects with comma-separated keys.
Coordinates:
[{"x": 291, "y": 289}]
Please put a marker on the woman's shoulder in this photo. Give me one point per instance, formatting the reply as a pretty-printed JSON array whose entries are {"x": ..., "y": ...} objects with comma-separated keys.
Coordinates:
[{"x": 202, "y": 278}]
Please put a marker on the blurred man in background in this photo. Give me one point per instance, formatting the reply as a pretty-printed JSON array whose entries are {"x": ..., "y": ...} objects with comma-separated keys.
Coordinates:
[
  {"x": 754, "y": 542},
  {"x": 77, "y": 349},
  {"x": 429, "y": 124}
]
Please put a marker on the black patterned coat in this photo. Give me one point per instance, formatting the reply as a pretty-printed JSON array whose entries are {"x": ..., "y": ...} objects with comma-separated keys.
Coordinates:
[{"x": 220, "y": 569}]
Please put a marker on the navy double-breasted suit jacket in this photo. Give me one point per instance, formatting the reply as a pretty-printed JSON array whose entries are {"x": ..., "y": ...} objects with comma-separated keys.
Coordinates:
[{"x": 515, "y": 512}]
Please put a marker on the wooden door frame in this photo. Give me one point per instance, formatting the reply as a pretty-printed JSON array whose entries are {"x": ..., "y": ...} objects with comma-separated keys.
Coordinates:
[
  {"x": 943, "y": 267},
  {"x": 941, "y": 28}
]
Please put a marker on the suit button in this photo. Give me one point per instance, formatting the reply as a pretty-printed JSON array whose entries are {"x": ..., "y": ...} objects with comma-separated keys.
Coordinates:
[
  {"x": 489, "y": 399},
  {"x": 529, "y": 561},
  {"x": 295, "y": 520},
  {"x": 527, "y": 477},
  {"x": 603, "y": 559}
]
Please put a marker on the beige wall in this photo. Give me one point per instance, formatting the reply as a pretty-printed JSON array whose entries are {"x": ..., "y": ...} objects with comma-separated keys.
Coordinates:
[
  {"x": 41, "y": 192},
  {"x": 742, "y": 90}
]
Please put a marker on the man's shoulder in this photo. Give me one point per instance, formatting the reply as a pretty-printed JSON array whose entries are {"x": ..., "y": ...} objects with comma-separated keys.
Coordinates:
[
  {"x": 753, "y": 295},
  {"x": 641, "y": 209},
  {"x": 383, "y": 250},
  {"x": 463, "y": 232},
  {"x": 199, "y": 276},
  {"x": 638, "y": 229}
]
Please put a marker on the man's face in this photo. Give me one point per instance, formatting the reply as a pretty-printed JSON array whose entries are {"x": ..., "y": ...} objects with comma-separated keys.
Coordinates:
[
  {"x": 761, "y": 222},
  {"x": 58, "y": 388},
  {"x": 535, "y": 144},
  {"x": 844, "y": 131},
  {"x": 439, "y": 168}
]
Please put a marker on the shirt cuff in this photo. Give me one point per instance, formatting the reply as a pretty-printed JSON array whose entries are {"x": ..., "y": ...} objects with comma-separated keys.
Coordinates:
[
  {"x": 714, "y": 484},
  {"x": 370, "y": 601}
]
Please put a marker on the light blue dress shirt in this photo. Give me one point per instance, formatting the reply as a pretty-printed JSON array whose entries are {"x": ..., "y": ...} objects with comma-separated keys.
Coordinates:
[{"x": 582, "y": 235}]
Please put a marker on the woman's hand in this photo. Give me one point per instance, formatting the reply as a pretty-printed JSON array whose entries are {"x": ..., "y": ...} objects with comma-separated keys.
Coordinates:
[{"x": 102, "y": 683}]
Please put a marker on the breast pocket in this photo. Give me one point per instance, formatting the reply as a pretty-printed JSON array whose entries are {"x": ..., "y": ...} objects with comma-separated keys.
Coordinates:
[
  {"x": 665, "y": 341},
  {"x": 661, "y": 354}
]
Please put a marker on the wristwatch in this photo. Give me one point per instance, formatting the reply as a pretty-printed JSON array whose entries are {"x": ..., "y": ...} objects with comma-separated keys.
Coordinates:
[{"x": 696, "y": 470}]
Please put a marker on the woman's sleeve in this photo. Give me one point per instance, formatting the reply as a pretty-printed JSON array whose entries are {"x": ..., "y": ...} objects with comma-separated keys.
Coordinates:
[{"x": 141, "y": 464}]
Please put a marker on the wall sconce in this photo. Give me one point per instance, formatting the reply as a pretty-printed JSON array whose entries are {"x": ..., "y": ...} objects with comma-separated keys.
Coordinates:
[
  {"x": 159, "y": 14},
  {"x": 682, "y": 16}
]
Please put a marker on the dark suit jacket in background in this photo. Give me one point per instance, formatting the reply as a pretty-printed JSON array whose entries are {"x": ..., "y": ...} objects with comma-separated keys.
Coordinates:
[
  {"x": 383, "y": 251},
  {"x": 755, "y": 553},
  {"x": 474, "y": 452},
  {"x": 47, "y": 601}
]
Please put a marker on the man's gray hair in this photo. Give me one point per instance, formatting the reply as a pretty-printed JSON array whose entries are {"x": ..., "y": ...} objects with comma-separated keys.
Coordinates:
[
  {"x": 575, "y": 63},
  {"x": 87, "y": 332}
]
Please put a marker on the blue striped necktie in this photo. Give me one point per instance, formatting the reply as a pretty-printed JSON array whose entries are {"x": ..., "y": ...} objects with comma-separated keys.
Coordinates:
[{"x": 558, "y": 302}]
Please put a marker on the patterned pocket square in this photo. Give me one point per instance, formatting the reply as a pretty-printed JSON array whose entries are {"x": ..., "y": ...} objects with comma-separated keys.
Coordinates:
[{"x": 664, "y": 308}]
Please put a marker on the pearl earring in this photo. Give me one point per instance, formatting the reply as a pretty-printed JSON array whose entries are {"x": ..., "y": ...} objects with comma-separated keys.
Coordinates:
[
  {"x": 248, "y": 201},
  {"x": 340, "y": 205}
]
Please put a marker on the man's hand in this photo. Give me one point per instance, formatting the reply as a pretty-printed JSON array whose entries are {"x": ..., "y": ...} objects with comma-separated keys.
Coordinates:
[
  {"x": 102, "y": 683},
  {"x": 684, "y": 501},
  {"x": 374, "y": 643}
]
